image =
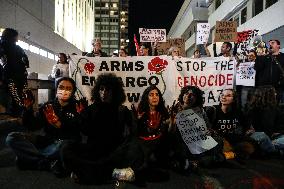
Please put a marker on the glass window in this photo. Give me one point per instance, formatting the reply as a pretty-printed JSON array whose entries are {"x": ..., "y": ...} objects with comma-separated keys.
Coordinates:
[
  {"x": 218, "y": 3},
  {"x": 258, "y": 7},
  {"x": 98, "y": 19},
  {"x": 244, "y": 15},
  {"x": 50, "y": 55},
  {"x": 270, "y": 2}
]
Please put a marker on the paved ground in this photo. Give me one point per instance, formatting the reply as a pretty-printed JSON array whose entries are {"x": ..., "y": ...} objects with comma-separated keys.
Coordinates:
[{"x": 255, "y": 174}]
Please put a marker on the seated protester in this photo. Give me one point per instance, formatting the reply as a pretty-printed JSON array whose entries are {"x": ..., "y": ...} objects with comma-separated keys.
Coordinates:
[
  {"x": 231, "y": 125},
  {"x": 109, "y": 150},
  {"x": 152, "y": 125},
  {"x": 266, "y": 119},
  {"x": 60, "y": 122},
  {"x": 195, "y": 145}
]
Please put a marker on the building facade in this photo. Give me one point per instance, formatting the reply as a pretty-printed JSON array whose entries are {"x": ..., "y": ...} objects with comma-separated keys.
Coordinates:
[
  {"x": 263, "y": 15},
  {"x": 74, "y": 21},
  {"x": 111, "y": 24},
  {"x": 191, "y": 13}
]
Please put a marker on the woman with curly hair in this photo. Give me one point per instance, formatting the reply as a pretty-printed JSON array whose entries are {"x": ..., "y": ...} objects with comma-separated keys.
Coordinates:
[
  {"x": 190, "y": 151},
  {"x": 230, "y": 123},
  {"x": 266, "y": 120},
  {"x": 108, "y": 126}
]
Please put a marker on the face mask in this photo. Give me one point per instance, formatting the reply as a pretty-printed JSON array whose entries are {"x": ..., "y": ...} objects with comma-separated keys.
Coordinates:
[{"x": 63, "y": 94}]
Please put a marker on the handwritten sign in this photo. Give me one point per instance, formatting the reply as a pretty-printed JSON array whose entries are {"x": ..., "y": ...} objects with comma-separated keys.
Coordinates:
[
  {"x": 163, "y": 48},
  {"x": 193, "y": 130},
  {"x": 226, "y": 31},
  {"x": 202, "y": 34},
  {"x": 245, "y": 74},
  {"x": 152, "y": 35}
]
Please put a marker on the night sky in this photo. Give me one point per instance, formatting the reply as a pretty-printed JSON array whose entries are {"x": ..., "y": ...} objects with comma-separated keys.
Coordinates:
[{"x": 158, "y": 14}]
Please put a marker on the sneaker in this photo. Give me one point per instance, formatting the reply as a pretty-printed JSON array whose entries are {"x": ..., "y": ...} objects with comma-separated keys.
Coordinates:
[
  {"x": 58, "y": 170},
  {"x": 74, "y": 177},
  {"x": 126, "y": 174}
]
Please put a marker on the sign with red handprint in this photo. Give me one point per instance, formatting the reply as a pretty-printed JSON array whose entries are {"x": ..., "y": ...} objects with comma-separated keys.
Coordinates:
[{"x": 89, "y": 67}]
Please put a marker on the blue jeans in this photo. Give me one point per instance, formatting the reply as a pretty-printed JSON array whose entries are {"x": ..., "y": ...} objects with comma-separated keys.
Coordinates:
[
  {"x": 263, "y": 141},
  {"x": 268, "y": 145},
  {"x": 27, "y": 149}
]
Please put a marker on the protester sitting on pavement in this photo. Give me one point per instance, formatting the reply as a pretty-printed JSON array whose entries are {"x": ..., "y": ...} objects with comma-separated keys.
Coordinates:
[
  {"x": 230, "y": 123},
  {"x": 110, "y": 147},
  {"x": 266, "y": 120},
  {"x": 152, "y": 126},
  {"x": 60, "y": 122},
  {"x": 14, "y": 63},
  {"x": 190, "y": 157},
  {"x": 61, "y": 68},
  {"x": 97, "y": 49}
]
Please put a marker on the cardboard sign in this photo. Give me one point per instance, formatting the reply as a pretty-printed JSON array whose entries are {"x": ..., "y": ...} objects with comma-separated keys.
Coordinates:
[
  {"x": 245, "y": 74},
  {"x": 163, "y": 48},
  {"x": 226, "y": 31},
  {"x": 193, "y": 130},
  {"x": 202, "y": 33},
  {"x": 152, "y": 35}
]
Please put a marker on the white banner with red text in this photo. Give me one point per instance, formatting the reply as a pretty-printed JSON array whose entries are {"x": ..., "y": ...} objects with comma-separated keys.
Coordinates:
[{"x": 212, "y": 75}]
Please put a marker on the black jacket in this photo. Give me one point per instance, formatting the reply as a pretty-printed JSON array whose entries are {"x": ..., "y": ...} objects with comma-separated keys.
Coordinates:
[
  {"x": 16, "y": 62},
  {"x": 106, "y": 126},
  {"x": 68, "y": 116},
  {"x": 267, "y": 71}
]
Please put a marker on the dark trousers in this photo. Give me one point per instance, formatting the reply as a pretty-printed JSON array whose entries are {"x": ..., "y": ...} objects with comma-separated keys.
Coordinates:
[{"x": 92, "y": 167}]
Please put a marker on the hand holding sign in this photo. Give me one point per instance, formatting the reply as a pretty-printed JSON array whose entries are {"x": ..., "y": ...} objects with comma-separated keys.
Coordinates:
[
  {"x": 154, "y": 120},
  {"x": 51, "y": 117}
]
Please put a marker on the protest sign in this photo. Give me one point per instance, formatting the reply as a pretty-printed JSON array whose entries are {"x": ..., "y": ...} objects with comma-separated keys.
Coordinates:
[
  {"x": 152, "y": 35},
  {"x": 245, "y": 74},
  {"x": 202, "y": 33},
  {"x": 244, "y": 42},
  {"x": 226, "y": 31},
  {"x": 193, "y": 130},
  {"x": 211, "y": 75},
  {"x": 163, "y": 48}
]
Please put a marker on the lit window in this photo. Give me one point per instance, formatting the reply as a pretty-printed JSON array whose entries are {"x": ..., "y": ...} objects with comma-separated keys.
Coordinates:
[
  {"x": 114, "y": 5},
  {"x": 106, "y": 5},
  {"x": 50, "y": 56},
  {"x": 43, "y": 52},
  {"x": 34, "y": 49},
  {"x": 111, "y": 12},
  {"x": 23, "y": 44},
  {"x": 122, "y": 13}
]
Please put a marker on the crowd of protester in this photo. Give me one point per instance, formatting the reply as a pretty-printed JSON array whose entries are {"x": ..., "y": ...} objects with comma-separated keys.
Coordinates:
[{"x": 140, "y": 144}]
